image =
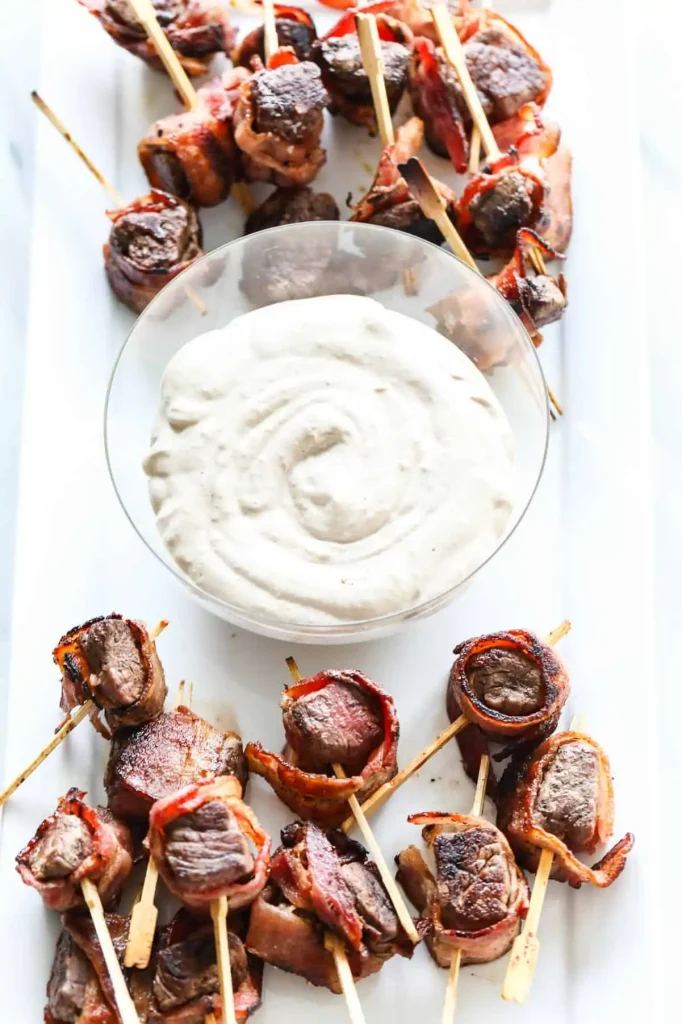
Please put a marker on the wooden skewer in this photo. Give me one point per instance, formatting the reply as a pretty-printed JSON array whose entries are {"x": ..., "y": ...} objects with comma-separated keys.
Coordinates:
[
  {"x": 222, "y": 946},
  {"x": 526, "y": 947},
  {"x": 450, "y": 1003},
  {"x": 146, "y": 14},
  {"x": 270, "y": 40},
  {"x": 373, "y": 63},
  {"x": 145, "y": 912},
  {"x": 124, "y": 1002},
  {"x": 474, "y": 151},
  {"x": 65, "y": 133},
  {"x": 69, "y": 725},
  {"x": 374, "y": 802},
  {"x": 335, "y": 946},
  {"x": 372, "y": 845},
  {"x": 433, "y": 205}
]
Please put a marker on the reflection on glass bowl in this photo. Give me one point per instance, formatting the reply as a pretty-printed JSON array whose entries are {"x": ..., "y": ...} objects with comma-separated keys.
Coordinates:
[{"x": 402, "y": 273}]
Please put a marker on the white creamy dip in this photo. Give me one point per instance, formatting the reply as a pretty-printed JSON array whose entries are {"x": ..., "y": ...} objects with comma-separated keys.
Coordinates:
[{"x": 327, "y": 460}]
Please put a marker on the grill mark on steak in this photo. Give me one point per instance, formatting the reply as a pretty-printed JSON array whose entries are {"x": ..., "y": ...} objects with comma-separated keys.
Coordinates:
[
  {"x": 506, "y": 681},
  {"x": 506, "y": 76},
  {"x": 188, "y": 969},
  {"x": 61, "y": 849},
  {"x": 498, "y": 212},
  {"x": 567, "y": 804},
  {"x": 207, "y": 848},
  {"x": 340, "y": 60},
  {"x": 473, "y": 878},
  {"x": 288, "y": 101},
  {"x": 115, "y": 661},
  {"x": 338, "y": 723},
  {"x": 69, "y": 978},
  {"x": 292, "y": 206}
]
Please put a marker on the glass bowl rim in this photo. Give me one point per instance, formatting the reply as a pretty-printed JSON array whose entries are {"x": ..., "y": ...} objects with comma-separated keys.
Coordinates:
[{"x": 240, "y": 616}]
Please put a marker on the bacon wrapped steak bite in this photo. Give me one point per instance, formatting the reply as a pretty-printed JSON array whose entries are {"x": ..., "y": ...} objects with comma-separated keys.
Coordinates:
[
  {"x": 186, "y": 984},
  {"x": 560, "y": 798},
  {"x": 278, "y": 123},
  {"x": 151, "y": 241},
  {"x": 193, "y": 155},
  {"x": 434, "y": 91},
  {"x": 155, "y": 760},
  {"x": 292, "y": 206},
  {"x": 537, "y": 298},
  {"x": 295, "y": 30},
  {"x": 479, "y": 896},
  {"x": 74, "y": 843},
  {"x": 113, "y": 662},
  {"x": 389, "y": 202},
  {"x": 200, "y": 838},
  {"x": 339, "y": 58},
  {"x": 324, "y": 881},
  {"x": 196, "y": 29},
  {"x": 333, "y": 717}
]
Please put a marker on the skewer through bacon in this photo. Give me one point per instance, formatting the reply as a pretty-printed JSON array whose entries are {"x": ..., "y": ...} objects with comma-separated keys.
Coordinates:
[
  {"x": 324, "y": 882},
  {"x": 338, "y": 55},
  {"x": 333, "y": 717},
  {"x": 196, "y": 29}
]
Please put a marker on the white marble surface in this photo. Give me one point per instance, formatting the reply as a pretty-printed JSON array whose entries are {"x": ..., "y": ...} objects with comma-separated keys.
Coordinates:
[{"x": 661, "y": 152}]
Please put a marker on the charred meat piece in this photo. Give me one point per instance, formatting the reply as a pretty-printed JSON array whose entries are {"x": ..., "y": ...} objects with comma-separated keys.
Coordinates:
[
  {"x": 479, "y": 896},
  {"x": 512, "y": 688},
  {"x": 74, "y": 843},
  {"x": 323, "y": 882},
  {"x": 113, "y": 662},
  {"x": 69, "y": 979},
  {"x": 199, "y": 837},
  {"x": 152, "y": 239},
  {"x": 515, "y": 191},
  {"x": 389, "y": 202},
  {"x": 160, "y": 757},
  {"x": 339, "y": 58},
  {"x": 537, "y": 298},
  {"x": 560, "y": 798},
  {"x": 506, "y": 71},
  {"x": 278, "y": 124},
  {"x": 193, "y": 155},
  {"x": 196, "y": 29},
  {"x": 292, "y": 206},
  {"x": 295, "y": 29},
  {"x": 367, "y": 737}
]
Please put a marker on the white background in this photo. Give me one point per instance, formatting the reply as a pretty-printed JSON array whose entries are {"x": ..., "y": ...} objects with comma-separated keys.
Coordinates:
[{"x": 657, "y": 118}]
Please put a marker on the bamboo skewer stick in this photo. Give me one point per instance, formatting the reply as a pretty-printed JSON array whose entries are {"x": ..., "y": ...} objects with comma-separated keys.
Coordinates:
[
  {"x": 374, "y": 848},
  {"x": 222, "y": 946},
  {"x": 145, "y": 912},
  {"x": 450, "y": 1003},
  {"x": 433, "y": 205},
  {"x": 373, "y": 63},
  {"x": 124, "y": 1002},
  {"x": 146, "y": 14},
  {"x": 526, "y": 947},
  {"x": 374, "y": 802},
  {"x": 335, "y": 946},
  {"x": 270, "y": 40},
  {"x": 68, "y": 726},
  {"x": 474, "y": 151}
]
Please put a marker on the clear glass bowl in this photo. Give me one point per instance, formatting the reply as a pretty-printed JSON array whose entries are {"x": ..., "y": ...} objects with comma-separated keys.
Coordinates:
[{"x": 399, "y": 270}]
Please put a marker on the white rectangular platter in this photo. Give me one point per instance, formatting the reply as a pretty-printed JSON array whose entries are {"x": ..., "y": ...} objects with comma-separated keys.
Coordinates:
[{"x": 583, "y": 552}]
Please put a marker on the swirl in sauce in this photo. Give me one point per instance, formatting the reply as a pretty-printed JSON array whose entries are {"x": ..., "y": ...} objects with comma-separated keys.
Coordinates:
[{"x": 327, "y": 460}]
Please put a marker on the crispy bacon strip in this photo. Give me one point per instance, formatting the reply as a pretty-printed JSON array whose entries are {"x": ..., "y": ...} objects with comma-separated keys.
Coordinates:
[
  {"x": 346, "y": 24},
  {"x": 319, "y": 797},
  {"x": 152, "y": 240},
  {"x": 417, "y": 15},
  {"x": 432, "y": 897},
  {"x": 518, "y": 816},
  {"x": 200, "y": 29},
  {"x": 226, "y": 790},
  {"x": 77, "y": 677},
  {"x": 193, "y": 154},
  {"x": 107, "y": 865},
  {"x": 307, "y": 870},
  {"x": 437, "y": 106}
]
